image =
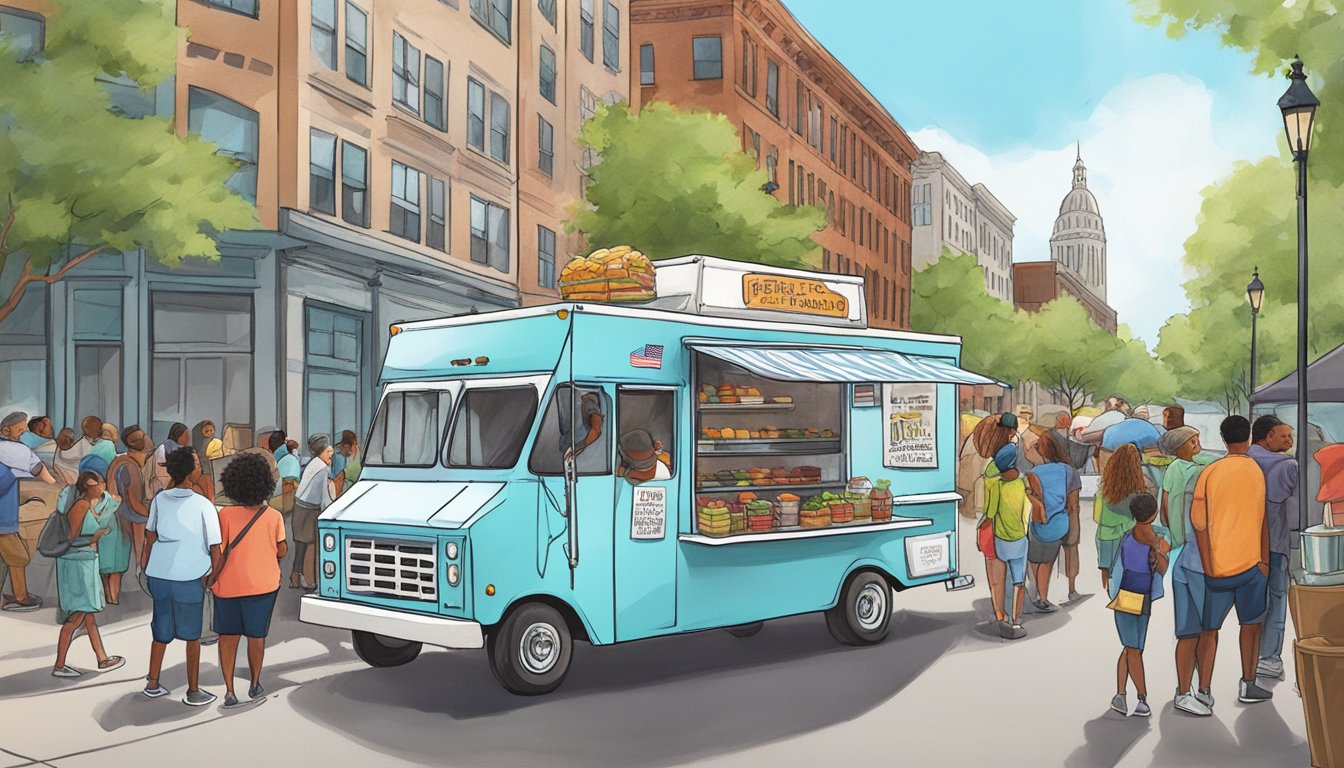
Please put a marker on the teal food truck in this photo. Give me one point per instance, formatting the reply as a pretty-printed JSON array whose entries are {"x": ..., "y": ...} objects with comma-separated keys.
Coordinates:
[{"x": 740, "y": 448}]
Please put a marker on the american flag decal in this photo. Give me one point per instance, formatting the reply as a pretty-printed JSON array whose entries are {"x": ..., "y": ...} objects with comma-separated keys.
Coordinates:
[{"x": 647, "y": 356}]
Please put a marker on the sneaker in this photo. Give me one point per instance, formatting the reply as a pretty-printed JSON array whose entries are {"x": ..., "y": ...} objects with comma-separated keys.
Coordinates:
[
  {"x": 1005, "y": 629},
  {"x": 1189, "y": 704},
  {"x": 111, "y": 663},
  {"x": 1270, "y": 669},
  {"x": 1205, "y": 698},
  {"x": 198, "y": 698},
  {"x": 1018, "y": 631},
  {"x": 231, "y": 702},
  {"x": 256, "y": 691},
  {"x": 155, "y": 692},
  {"x": 1142, "y": 709},
  {"x": 1045, "y": 606},
  {"x": 66, "y": 671},
  {"x": 208, "y": 641},
  {"x": 1074, "y": 596},
  {"x": 1120, "y": 704},
  {"x": 1250, "y": 693},
  {"x": 15, "y": 605}
]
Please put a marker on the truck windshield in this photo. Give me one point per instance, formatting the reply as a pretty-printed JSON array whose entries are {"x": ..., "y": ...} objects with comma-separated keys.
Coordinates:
[
  {"x": 407, "y": 428},
  {"x": 491, "y": 426}
]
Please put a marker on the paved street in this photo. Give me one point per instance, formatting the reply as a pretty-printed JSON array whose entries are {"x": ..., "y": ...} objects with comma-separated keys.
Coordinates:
[{"x": 942, "y": 690}]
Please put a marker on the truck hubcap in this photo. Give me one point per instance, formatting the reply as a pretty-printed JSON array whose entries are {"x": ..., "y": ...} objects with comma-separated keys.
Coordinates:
[
  {"x": 539, "y": 649},
  {"x": 871, "y": 607}
]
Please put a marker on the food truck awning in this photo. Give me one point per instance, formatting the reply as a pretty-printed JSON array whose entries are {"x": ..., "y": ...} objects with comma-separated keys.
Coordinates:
[{"x": 849, "y": 365}]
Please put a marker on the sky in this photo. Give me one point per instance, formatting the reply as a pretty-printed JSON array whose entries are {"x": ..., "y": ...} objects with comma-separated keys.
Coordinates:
[{"x": 1005, "y": 89}]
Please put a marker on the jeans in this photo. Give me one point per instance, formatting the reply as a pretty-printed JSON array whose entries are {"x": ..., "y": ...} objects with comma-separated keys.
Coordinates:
[{"x": 1271, "y": 643}]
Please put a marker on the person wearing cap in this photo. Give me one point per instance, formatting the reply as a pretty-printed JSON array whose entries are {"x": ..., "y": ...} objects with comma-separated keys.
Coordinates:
[
  {"x": 17, "y": 461},
  {"x": 1027, "y": 438},
  {"x": 639, "y": 458},
  {"x": 988, "y": 437},
  {"x": 1271, "y": 442},
  {"x": 1187, "y": 572},
  {"x": 1009, "y": 507},
  {"x": 313, "y": 495}
]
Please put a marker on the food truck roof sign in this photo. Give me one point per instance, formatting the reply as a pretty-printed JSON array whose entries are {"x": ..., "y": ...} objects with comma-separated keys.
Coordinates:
[{"x": 705, "y": 285}]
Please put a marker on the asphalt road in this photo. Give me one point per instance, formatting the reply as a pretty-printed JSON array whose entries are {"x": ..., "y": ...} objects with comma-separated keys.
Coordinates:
[{"x": 942, "y": 690}]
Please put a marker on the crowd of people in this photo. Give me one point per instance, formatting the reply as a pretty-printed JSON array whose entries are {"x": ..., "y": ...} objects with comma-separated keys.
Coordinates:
[
  {"x": 1221, "y": 530},
  {"x": 201, "y": 529}
]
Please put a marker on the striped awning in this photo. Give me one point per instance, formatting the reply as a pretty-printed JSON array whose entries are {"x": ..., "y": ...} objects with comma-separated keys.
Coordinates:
[{"x": 849, "y": 365}]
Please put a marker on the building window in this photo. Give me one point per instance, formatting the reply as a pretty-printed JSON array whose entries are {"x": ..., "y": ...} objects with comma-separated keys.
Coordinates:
[
  {"x": 611, "y": 36},
  {"x": 772, "y": 87},
  {"x": 547, "y": 59},
  {"x": 356, "y": 45},
  {"x": 405, "y": 219},
  {"x": 324, "y": 32},
  {"x": 545, "y": 257},
  {"x": 748, "y": 65},
  {"x": 793, "y": 199},
  {"x": 475, "y": 114},
  {"x": 233, "y": 128},
  {"x": 545, "y": 146},
  {"x": 772, "y": 166},
  {"x": 201, "y": 349},
  {"x": 834, "y": 122},
  {"x": 435, "y": 96},
  {"x": 322, "y": 172},
  {"x": 23, "y": 31},
  {"x": 244, "y": 7},
  {"x": 354, "y": 184},
  {"x": 586, "y": 28},
  {"x": 646, "y": 64},
  {"x": 547, "y": 8},
  {"x": 499, "y": 128},
  {"x": 489, "y": 234},
  {"x": 707, "y": 53},
  {"x": 844, "y": 142},
  {"x": 798, "y": 107},
  {"x": 496, "y": 16},
  {"x": 405, "y": 73},
  {"x": 436, "y": 231}
]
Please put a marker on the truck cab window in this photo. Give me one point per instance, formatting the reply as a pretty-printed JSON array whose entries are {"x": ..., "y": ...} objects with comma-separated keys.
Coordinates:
[
  {"x": 646, "y": 444},
  {"x": 407, "y": 429},
  {"x": 490, "y": 427},
  {"x": 577, "y": 419}
]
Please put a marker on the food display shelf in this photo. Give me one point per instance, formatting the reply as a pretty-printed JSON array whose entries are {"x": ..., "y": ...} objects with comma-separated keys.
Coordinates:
[
  {"x": 746, "y": 406},
  {"x": 792, "y": 532},
  {"x": 757, "y": 447},
  {"x": 768, "y": 488}
]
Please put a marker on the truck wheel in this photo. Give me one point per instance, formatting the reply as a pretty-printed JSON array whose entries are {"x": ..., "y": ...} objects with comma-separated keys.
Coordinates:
[
  {"x": 863, "y": 614},
  {"x": 746, "y": 630},
  {"x": 530, "y": 650},
  {"x": 383, "y": 651}
]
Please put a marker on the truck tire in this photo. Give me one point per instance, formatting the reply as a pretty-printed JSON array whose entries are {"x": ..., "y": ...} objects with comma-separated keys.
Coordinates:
[
  {"x": 863, "y": 615},
  {"x": 382, "y": 651},
  {"x": 531, "y": 649},
  {"x": 746, "y": 630}
]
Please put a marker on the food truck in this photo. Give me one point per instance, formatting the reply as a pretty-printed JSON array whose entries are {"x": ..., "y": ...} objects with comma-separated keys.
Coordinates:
[{"x": 739, "y": 448}]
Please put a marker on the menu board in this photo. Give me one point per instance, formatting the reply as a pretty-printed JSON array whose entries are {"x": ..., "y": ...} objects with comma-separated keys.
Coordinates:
[
  {"x": 909, "y": 426},
  {"x": 648, "y": 513}
]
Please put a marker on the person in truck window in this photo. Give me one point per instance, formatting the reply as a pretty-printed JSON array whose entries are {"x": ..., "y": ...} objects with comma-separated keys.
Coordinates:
[
  {"x": 592, "y": 418},
  {"x": 640, "y": 458}
]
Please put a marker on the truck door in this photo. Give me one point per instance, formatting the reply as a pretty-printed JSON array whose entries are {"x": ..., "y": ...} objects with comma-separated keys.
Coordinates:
[{"x": 648, "y": 474}]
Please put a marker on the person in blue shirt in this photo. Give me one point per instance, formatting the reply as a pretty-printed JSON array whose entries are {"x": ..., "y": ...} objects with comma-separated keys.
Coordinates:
[
  {"x": 1057, "y": 485},
  {"x": 1136, "y": 430},
  {"x": 38, "y": 433},
  {"x": 287, "y": 470}
]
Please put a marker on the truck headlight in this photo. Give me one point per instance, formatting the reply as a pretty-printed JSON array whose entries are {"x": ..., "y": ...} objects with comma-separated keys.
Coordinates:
[
  {"x": 453, "y": 575},
  {"x": 329, "y": 542},
  {"x": 329, "y": 569},
  {"x": 451, "y": 550}
]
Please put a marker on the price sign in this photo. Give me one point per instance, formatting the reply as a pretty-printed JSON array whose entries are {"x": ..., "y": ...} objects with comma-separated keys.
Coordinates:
[{"x": 648, "y": 513}]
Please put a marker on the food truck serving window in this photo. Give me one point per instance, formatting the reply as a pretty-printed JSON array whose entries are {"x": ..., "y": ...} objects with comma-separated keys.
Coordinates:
[
  {"x": 407, "y": 428},
  {"x": 590, "y": 409},
  {"x": 490, "y": 427}
]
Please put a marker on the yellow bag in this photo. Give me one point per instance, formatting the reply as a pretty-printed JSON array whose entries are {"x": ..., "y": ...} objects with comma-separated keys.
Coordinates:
[
  {"x": 1128, "y": 602},
  {"x": 1096, "y": 508}
]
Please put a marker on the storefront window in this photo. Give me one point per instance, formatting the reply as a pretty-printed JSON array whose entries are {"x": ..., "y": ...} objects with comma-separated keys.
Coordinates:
[{"x": 202, "y": 359}]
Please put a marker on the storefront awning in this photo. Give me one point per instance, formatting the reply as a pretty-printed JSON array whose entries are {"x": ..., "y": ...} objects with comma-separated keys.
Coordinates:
[{"x": 848, "y": 365}]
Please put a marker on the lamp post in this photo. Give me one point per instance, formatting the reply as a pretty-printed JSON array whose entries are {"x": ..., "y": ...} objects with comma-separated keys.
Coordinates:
[
  {"x": 1298, "y": 105},
  {"x": 1255, "y": 292}
]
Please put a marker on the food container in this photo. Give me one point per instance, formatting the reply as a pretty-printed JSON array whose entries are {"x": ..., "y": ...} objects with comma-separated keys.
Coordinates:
[
  {"x": 880, "y": 497},
  {"x": 863, "y": 508},
  {"x": 1323, "y": 549},
  {"x": 818, "y": 518},
  {"x": 842, "y": 512},
  {"x": 786, "y": 510},
  {"x": 737, "y": 521}
]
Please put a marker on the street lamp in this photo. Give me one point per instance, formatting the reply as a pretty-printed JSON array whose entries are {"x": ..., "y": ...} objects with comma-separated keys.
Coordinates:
[
  {"x": 1298, "y": 105},
  {"x": 1255, "y": 292}
]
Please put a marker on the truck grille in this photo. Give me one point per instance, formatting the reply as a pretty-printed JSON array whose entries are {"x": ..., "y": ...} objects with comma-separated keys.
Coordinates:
[{"x": 402, "y": 569}]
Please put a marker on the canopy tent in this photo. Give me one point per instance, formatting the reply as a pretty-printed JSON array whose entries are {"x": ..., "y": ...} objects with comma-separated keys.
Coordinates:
[
  {"x": 1325, "y": 382},
  {"x": 854, "y": 365}
]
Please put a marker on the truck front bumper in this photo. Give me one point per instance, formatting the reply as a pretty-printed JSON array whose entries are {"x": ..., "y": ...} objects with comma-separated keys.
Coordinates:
[{"x": 431, "y": 630}]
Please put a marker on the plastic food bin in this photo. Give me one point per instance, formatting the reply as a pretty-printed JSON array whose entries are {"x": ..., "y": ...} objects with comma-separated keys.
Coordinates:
[{"x": 1320, "y": 677}]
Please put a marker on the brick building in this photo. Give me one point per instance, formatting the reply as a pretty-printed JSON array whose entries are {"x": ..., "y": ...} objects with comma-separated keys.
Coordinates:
[
  {"x": 1036, "y": 283},
  {"x": 822, "y": 137}
]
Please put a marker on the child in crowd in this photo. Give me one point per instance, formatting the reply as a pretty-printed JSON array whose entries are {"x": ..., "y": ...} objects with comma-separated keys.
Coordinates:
[
  {"x": 1008, "y": 505},
  {"x": 1136, "y": 581}
]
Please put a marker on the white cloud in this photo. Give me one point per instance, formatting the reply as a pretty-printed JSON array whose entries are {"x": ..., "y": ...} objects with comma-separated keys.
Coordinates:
[{"x": 1150, "y": 149}]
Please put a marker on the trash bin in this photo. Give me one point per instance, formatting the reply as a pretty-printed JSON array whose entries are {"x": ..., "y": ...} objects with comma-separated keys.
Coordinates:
[
  {"x": 1320, "y": 677},
  {"x": 1317, "y": 611}
]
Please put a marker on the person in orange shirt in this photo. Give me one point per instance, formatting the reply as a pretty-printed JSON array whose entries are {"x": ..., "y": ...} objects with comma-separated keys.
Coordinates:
[
  {"x": 248, "y": 577},
  {"x": 1232, "y": 532}
]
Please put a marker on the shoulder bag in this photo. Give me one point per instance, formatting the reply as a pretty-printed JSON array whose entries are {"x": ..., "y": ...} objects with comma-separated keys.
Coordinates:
[{"x": 224, "y": 558}]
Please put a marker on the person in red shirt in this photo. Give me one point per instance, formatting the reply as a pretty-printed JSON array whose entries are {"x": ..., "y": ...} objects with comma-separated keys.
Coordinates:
[{"x": 248, "y": 578}]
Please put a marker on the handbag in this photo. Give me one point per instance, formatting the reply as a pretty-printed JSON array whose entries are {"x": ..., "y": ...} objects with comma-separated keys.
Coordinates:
[{"x": 1128, "y": 602}]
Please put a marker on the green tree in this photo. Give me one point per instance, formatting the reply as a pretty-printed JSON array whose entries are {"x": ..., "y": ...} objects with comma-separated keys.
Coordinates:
[
  {"x": 1134, "y": 372},
  {"x": 671, "y": 182},
  {"x": 78, "y": 179},
  {"x": 949, "y": 296},
  {"x": 1068, "y": 353}
]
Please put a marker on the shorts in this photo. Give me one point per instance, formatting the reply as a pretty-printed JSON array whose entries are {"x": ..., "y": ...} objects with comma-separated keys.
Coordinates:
[
  {"x": 1014, "y": 555},
  {"x": 1247, "y": 590},
  {"x": 984, "y": 540},
  {"x": 249, "y": 616},
  {"x": 13, "y": 551},
  {"x": 1132, "y": 628},
  {"x": 1072, "y": 538},
  {"x": 1107, "y": 550},
  {"x": 178, "y": 607},
  {"x": 1042, "y": 551},
  {"x": 1187, "y": 595}
]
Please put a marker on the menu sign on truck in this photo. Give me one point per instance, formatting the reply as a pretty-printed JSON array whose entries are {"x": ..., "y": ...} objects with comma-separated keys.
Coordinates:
[
  {"x": 909, "y": 426},
  {"x": 648, "y": 513},
  {"x": 792, "y": 294}
]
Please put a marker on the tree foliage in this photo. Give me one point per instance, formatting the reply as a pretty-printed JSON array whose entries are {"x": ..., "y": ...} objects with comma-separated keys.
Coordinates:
[
  {"x": 949, "y": 297},
  {"x": 671, "y": 182},
  {"x": 78, "y": 179}
]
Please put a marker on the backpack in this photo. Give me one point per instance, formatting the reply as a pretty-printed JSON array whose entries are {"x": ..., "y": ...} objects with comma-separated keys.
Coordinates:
[{"x": 54, "y": 540}]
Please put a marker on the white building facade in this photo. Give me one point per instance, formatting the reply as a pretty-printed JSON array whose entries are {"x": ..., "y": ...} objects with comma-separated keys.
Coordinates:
[{"x": 949, "y": 212}]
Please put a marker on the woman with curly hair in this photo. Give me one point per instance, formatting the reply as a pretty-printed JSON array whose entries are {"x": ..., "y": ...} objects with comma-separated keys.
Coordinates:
[
  {"x": 1121, "y": 481},
  {"x": 248, "y": 576}
]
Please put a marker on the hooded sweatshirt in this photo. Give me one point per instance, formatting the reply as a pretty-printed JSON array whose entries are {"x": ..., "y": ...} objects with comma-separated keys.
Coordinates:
[{"x": 1280, "y": 497}]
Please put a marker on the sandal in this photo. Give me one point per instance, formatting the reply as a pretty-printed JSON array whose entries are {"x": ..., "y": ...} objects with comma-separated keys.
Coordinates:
[{"x": 111, "y": 663}]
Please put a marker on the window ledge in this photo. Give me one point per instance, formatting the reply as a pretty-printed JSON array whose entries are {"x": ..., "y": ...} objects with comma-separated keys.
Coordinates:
[
  {"x": 335, "y": 91},
  {"x": 486, "y": 26}
]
